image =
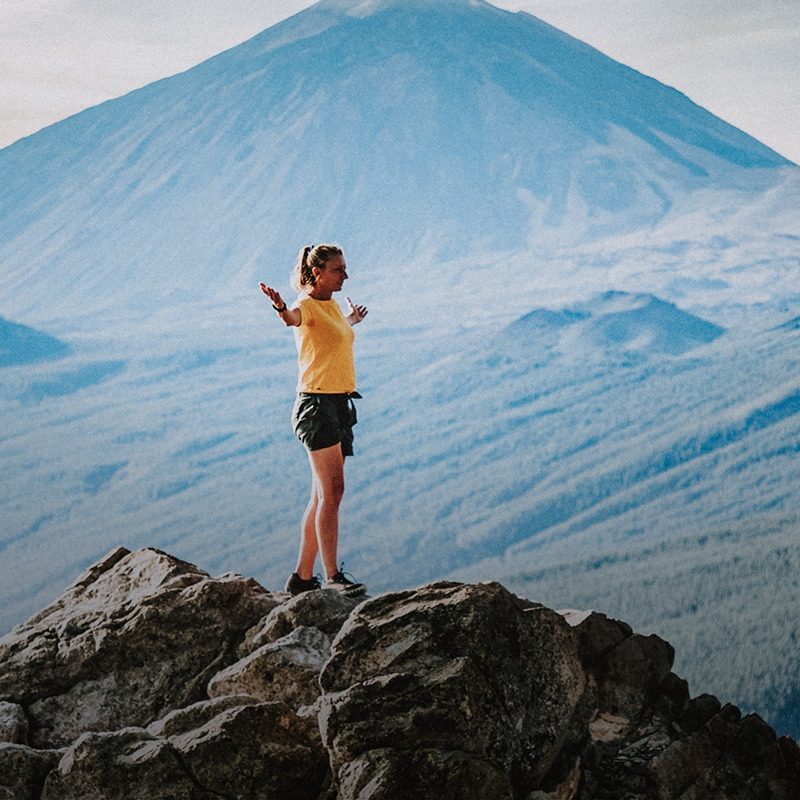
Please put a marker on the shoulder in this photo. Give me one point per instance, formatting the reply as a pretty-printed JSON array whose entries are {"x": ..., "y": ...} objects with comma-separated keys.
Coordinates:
[
  {"x": 304, "y": 302},
  {"x": 307, "y": 307}
]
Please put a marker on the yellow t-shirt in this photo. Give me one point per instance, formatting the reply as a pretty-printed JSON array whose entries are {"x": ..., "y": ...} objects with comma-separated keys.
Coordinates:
[{"x": 324, "y": 342}]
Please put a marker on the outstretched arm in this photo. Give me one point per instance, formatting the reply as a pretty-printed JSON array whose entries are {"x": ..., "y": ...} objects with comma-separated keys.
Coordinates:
[
  {"x": 290, "y": 316},
  {"x": 354, "y": 313}
]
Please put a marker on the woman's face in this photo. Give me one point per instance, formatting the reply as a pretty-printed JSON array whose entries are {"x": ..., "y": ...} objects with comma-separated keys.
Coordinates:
[{"x": 331, "y": 279}]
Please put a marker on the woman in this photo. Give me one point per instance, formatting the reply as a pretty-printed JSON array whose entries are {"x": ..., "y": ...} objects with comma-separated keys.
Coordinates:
[{"x": 323, "y": 414}]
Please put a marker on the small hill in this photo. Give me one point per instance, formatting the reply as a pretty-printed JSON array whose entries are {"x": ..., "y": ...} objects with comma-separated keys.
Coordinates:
[
  {"x": 617, "y": 321},
  {"x": 20, "y": 344}
]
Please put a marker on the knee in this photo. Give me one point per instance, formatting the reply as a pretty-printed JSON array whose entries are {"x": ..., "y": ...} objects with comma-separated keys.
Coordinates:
[
  {"x": 337, "y": 490},
  {"x": 333, "y": 491}
]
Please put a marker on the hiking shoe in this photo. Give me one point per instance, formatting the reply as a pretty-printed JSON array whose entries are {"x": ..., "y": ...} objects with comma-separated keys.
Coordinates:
[
  {"x": 296, "y": 585},
  {"x": 344, "y": 585}
]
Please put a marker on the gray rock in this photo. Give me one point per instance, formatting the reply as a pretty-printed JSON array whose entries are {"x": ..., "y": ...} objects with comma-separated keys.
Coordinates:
[
  {"x": 136, "y": 636},
  {"x": 632, "y": 673},
  {"x": 129, "y": 764},
  {"x": 263, "y": 752},
  {"x": 287, "y": 669},
  {"x": 23, "y": 771},
  {"x": 183, "y": 720},
  {"x": 260, "y": 751},
  {"x": 597, "y": 635},
  {"x": 13, "y": 723},
  {"x": 389, "y": 774},
  {"x": 626, "y": 671},
  {"x": 325, "y": 609},
  {"x": 463, "y": 676},
  {"x": 729, "y": 757},
  {"x": 447, "y": 691}
]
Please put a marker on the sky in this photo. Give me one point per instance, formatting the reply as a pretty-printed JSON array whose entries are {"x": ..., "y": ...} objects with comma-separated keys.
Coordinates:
[{"x": 740, "y": 59}]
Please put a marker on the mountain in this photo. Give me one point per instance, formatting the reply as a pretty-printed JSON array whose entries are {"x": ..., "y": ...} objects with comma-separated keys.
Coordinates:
[
  {"x": 435, "y": 129},
  {"x": 580, "y": 353}
]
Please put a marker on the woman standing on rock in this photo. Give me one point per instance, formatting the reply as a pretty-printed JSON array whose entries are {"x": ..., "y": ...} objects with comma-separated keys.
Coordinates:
[{"x": 323, "y": 414}]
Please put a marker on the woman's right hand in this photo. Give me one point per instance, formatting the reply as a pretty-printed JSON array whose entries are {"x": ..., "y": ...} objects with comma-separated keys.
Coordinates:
[
  {"x": 290, "y": 316},
  {"x": 273, "y": 295}
]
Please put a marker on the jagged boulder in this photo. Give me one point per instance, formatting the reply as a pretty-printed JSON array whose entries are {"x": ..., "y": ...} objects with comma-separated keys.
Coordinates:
[
  {"x": 326, "y": 610},
  {"x": 448, "y": 691},
  {"x": 287, "y": 669},
  {"x": 257, "y": 751},
  {"x": 228, "y": 747},
  {"x": 730, "y": 756},
  {"x": 647, "y": 739},
  {"x": 252, "y": 752},
  {"x": 128, "y": 764},
  {"x": 626, "y": 671},
  {"x": 23, "y": 770},
  {"x": 136, "y": 636},
  {"x": 13, "y": 723},
  {"x": 183, "y": 720},
  {"x": 283, "y": 655}
]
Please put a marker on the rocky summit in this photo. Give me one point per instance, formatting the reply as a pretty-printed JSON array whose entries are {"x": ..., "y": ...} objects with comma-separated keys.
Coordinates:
[{"x": 150, "y": 679}]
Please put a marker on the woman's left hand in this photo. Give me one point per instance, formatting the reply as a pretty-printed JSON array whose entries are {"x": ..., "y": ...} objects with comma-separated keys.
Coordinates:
[{"x": 354, "y": 313}]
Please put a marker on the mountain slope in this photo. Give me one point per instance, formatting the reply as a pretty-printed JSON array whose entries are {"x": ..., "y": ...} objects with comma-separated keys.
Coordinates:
[{"x": 440, "y": 128}]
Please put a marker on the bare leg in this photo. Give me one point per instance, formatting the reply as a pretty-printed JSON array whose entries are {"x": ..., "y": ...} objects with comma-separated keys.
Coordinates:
[{"x": 320, "y": 526}]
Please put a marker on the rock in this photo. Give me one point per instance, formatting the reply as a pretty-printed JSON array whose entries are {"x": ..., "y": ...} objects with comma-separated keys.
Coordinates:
[
  {"x": 389, "y": 774},
  {"x": 183, "y": 720},
  {"x": 628, "y": 669},
  {"x": 698, "y": 712},
  {"x": 672, "y": 696},
  {"x": 23, "y": 771},
  {"x": 13, "y": 723},
  {"x": 462, "y": 676},
  {"x": 257, "y": 751},
  {"x": 327, "y": 610},
  {"x": 128, "y": 764},
  {"x": 597, "y": 636},
  {"x": 730, "y": 757},
  {"x": 450, "y": 691},
  {"x": 136, "y": 636},
  {"x": 631, "y": 674},
  {"x": 607, "y": 727},
  {"x": 287, "y": 670}
]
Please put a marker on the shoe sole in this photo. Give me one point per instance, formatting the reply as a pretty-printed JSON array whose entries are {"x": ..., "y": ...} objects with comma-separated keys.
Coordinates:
[{"x": 348, "y": 592}]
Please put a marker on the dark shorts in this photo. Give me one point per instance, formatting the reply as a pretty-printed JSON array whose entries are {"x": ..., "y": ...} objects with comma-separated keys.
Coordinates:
[{"x": 323, "y": 420}]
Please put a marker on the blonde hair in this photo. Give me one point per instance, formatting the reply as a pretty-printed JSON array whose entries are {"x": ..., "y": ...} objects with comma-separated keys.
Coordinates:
[{"x": 312, "y": 257}]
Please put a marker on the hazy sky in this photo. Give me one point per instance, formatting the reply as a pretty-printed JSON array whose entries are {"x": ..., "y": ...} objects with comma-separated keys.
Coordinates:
[{"x": 739, "y": 59}]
